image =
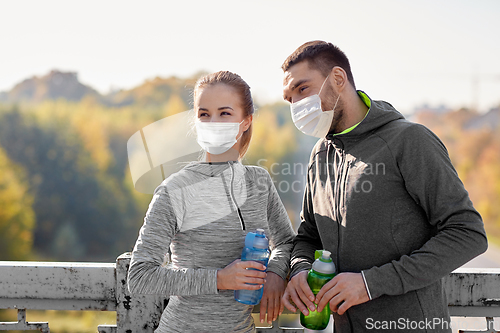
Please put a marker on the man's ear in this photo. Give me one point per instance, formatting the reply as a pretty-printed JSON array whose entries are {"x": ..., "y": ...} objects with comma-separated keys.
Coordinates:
[{"x": 338, "y": 78}]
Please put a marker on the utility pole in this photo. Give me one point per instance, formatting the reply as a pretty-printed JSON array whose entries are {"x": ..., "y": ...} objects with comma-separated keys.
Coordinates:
[{"x": 475, "y": 81}]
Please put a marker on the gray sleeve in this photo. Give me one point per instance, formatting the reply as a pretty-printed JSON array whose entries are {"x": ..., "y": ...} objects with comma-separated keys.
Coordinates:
[
  {"x": 432, "y": 181},
  {"x": 146, "y": 274},
  {"x": 281, "y": 232},
  {"x": 308, "y": 239}
]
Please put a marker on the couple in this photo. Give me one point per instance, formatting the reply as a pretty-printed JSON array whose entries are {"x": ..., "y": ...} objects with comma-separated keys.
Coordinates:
[{"x": 392, "y": 240}]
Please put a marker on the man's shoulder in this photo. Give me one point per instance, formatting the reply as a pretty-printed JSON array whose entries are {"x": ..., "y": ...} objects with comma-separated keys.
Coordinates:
[
  {"x": 404, "y": 137},
  {"x": 402, "y": 130}
]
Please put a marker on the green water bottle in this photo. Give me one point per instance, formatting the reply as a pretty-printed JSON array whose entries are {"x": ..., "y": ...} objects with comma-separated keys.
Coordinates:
[{"x": 323, "y": 270}]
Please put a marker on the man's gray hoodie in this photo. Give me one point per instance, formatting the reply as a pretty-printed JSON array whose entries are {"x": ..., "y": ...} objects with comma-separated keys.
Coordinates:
[{"x": 385, "y": 199}]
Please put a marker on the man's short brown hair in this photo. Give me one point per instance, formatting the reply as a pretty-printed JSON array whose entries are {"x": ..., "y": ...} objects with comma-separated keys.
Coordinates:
[{"x": 322, "y": 56}]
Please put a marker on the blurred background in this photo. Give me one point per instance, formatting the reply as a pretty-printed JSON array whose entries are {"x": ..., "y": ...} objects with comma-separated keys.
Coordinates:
[{"x": 77, "y": 79}]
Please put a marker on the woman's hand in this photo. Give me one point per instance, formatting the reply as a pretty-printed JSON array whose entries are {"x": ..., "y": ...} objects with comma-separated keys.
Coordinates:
[
  {"x": 273, "y": 291},
  {"x": 237, "y": 276}
]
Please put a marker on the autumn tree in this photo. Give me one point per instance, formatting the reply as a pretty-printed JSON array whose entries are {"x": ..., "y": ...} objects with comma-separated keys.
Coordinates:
[{"x": 17, "y": 218}]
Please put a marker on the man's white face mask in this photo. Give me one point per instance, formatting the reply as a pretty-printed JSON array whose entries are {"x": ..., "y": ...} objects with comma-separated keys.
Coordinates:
[
  {"x": 217, "y": 137},
  {"x": 308, "y": 116}
]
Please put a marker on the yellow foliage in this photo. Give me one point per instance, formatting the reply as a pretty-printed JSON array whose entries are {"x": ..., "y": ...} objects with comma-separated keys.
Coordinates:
[
  {"x": 476, "y": 156},
  {"x": 17, "y": 218},
  {"x": 174, "y": 105},
  {"x": 270, "y": 142},
  {"x": 88, "y": 121},
  {"x": 92, "y": 128}
]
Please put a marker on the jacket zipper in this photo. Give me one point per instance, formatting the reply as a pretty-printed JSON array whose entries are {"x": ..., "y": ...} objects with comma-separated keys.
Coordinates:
[
  {"x": 341, "y": 178},
  {"x": 231, "y": 194}
]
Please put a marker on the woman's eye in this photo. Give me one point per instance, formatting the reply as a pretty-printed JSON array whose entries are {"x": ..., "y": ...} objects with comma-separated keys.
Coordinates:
[
  {"x": 203, "y": 114},
  {"x": 225, "y": 113}
]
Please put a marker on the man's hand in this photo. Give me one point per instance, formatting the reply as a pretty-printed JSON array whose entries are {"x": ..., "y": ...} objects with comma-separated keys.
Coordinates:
[
  {"x": 298, "y": 290},
  {"x": 342, "y": 292},
  {"x": 271, "y": 298}
]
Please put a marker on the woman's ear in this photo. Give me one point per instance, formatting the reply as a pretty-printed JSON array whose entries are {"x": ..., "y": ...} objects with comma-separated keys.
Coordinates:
[{"x": 248, "y": 121}]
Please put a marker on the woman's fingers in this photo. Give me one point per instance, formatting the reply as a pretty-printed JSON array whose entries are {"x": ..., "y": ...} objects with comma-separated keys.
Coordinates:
[
  {"x": 241, "y": 275},
  {"x": 253, "y": 274},
  {"x": 252, "y": 284},
  {"x": 270, "y": 310},
  {"x": 252, "y": 264},
  {"x": 277, "y": 306},
  {"x": 251, "y": 278},
  {"x": 263, "y": 307},
  {"x": 254, "y": 280}
]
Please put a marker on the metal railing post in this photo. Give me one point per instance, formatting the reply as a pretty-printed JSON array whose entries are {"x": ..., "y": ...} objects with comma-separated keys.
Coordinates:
[{"x": 134, "y": 313}]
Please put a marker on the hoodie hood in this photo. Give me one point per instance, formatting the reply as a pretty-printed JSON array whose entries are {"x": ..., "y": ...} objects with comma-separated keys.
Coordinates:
[{"x": 379, "y": 114}]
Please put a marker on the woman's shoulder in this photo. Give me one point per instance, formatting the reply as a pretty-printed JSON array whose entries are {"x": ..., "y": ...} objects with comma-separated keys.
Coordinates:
[
  {"x": 259, "y": 175},
  {"x": 177, "y": 180},
  {"x": 257, "y": 170}
]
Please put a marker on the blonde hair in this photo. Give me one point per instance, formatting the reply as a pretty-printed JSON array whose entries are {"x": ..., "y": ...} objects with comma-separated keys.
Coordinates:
[{"x": 242, "y": 89}]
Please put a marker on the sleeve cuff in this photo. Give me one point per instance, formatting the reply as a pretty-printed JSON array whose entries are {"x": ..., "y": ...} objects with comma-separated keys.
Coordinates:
[
  {"x": 366, "y": 285},
  {"x": 216, "y": 286},
  {"x": 278, "y": 272},
  {"x": 299, "y": 265}
]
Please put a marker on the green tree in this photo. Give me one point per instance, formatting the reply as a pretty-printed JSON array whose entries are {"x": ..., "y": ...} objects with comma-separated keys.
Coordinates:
[
  {"x": 76, "y": 203},
  {"x": 17, "y": 218}
]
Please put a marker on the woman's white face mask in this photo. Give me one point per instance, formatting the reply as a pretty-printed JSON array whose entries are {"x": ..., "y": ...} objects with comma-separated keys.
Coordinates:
[
  {"x": 308, "y": 116},
  {"x": 217, "y": 137}
]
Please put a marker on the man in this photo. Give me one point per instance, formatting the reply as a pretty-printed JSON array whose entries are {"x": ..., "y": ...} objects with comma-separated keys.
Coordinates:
[{"x": 382, "y": 196}]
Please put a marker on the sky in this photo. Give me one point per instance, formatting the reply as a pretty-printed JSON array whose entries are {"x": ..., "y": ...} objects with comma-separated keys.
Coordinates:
[{"x": 409, "y": 53}]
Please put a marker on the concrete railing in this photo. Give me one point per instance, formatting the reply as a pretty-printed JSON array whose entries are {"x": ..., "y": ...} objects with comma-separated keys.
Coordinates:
[{"x": 102, "y": 287}]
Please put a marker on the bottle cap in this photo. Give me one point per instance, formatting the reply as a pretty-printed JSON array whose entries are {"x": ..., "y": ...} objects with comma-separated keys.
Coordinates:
[
  {"x": 324, "y": 264},
  {"x": 326, "y": 255},
  {"x": 260, "y": 241},
  {"x": 257, "y": 239}
]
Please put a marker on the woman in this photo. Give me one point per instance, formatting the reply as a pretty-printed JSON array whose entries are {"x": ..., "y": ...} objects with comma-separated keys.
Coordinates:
[{"x": 203, "y": 213}]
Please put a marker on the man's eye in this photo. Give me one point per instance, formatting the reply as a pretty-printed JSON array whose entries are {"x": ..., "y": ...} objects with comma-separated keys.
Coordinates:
[{"x": 301, "y": 89}]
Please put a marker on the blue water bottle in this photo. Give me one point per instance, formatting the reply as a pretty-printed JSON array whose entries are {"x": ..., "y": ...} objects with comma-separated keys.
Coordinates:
[{"x": 256, "y": 249}]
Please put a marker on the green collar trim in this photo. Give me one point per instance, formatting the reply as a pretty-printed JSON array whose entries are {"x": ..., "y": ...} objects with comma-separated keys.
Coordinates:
[{"x": 364, "y": 97}]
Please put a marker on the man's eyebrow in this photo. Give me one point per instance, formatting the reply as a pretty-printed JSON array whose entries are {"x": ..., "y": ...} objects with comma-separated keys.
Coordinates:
[
  {"x": 298, "y": 83},
  {"x": 294, "y": 86}
]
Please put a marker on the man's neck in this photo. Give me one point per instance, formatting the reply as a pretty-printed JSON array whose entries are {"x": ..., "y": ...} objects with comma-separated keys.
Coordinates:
[{"x": 354, "y": 110}]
